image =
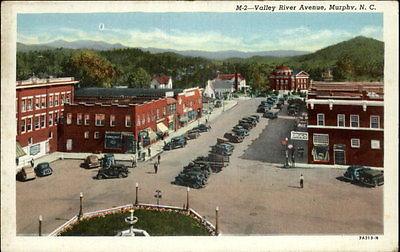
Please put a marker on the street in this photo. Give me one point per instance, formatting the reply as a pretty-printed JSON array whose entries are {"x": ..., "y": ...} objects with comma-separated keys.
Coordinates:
[{"x": 253, "y": 195}]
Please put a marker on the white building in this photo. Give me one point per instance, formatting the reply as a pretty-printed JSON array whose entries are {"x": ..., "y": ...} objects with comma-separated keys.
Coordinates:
[
  {"x": 226, "y": 84},
  {"x": 161, "y": 82}
]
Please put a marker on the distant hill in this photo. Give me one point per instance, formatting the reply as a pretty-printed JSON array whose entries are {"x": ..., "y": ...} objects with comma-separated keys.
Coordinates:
[{"x": 103, "y": 46}]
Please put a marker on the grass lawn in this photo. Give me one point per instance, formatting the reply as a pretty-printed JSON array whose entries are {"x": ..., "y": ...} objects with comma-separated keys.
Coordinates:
[{"x": 156, "y": 223}]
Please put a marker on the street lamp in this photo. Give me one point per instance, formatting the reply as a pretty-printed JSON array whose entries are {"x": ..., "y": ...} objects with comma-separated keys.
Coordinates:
[
  {"x": 80, "y": 206},
  {"x": 187, "y": 198},
  {"x": 158, "y": 196},
  {"x": 40, "y": 225},
  {"x": 137, "y": 189},
  {"x": 216, "y": 220}
]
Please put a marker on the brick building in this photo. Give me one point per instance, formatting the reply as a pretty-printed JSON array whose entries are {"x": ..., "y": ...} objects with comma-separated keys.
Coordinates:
[
  {"x": 39, "y": 106},
  {"x": 116, "y": 120},
  {"x": 346, "y": 124},
  {"x": 284, "y": 80}
]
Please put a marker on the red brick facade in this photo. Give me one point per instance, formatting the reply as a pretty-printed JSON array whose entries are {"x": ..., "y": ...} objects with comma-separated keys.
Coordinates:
[
  {"x": 347, "y": 126},
  {"x": 39, "y": 104},
  {"x": 283, "y": 79}
]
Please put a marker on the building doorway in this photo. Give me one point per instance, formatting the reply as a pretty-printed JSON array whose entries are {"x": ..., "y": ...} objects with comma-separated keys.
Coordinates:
[
  {"x": 69, "y": 144},
  {"x": 339, "y": 153}
]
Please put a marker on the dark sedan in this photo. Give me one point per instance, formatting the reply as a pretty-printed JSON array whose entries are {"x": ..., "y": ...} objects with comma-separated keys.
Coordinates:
[{"x": 43, "y": 169}]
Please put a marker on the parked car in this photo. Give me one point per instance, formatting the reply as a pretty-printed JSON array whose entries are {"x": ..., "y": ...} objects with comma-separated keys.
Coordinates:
[
  {"x": 263, "y": 109},
  {"x": 364, "y": 175},
  {"x": 257, "y": 117},
  {"x": 26, "y": 173},
  {"x": 246, "y": 125},
  {"x": 202, "y": 128},
  {"x": 176, "y": 142},
  {"x": 233, "y": 138},
  {"x": 43, "y": 169},
  {"x": 252, "y": 121},
  {"x": 222, "y": 149},
  {"x": 92, "y": 161},
  {"x": 115, "y": 171},
  {"x": 271, "y": 114},
  {"x": 239, "y": 130},
  {"x": 192, "y": 134}
]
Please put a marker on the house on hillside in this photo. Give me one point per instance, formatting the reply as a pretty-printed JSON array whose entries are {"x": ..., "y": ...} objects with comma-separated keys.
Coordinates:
[
  {"x": 284, "y": 80},
  {"x": 227, "y": 84},
  {"x": 161, "y": 82}
]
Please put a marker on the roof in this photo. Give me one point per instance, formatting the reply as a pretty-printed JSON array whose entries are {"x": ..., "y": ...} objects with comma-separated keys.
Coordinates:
[
  {"x": 121, "y": 92},
  {"x": 19, "y": 151},
  {"x": 229, "y": 76},
  {"x": 170, "y": 100},
  {"x": 282, "y": 67},
  {"x": 163, "y": 79},
  {"x": 222, "y": 84},
  {"x": 358, "y": 90},
  {"x": 36, "y": 82},
  {"x": 296, "y": 72}
]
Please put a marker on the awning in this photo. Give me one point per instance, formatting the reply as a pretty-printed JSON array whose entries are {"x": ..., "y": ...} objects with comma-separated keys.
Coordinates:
[
  {"x": 20, "y": 152},
  {"x": 162, "y": 128}
]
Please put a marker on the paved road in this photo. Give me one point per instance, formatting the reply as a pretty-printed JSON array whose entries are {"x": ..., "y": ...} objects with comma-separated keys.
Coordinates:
[{"x": 254, "y": 197}]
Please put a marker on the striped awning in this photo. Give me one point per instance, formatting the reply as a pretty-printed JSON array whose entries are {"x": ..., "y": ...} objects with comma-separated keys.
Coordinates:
[{"x": 19, "y": 151}]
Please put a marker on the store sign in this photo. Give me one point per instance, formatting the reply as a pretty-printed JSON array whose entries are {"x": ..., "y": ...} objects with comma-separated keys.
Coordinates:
[
  {"x": 113, "y": 140},
  {"x": 298, "y": 135},
  {"x": 35, "y": 149}
]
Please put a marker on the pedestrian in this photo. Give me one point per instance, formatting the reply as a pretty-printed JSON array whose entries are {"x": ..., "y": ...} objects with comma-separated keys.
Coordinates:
[
  {"x": 158, "y": 158},
  {"x": 293, "y": 161},
  {"x": 301, "y": 181},
  {"x": 206, "y": 121},
  {"x": 149, "y": 151},
  {"x": 32, "y": 163},
  {"x": 133, "y": 161},
  {"x": 155, "y": 167}
]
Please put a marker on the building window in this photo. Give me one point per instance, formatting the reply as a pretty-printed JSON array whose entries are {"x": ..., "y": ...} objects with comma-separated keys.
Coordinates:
[
  {"x": 29, "y": 104},
  {"x": 30, "y": 140},
  {"x": 112, "y": 120},
  {"x": 320, "y": 119},
  {"x": 320, "y": 150},
  {"x": 354, "y": 121},
  {"x": 96, "y": 135},
  {"x": 355, "y": 143},
  {"x": 375, "y": 144},
  {"x": 68, "y": 98},
  {"x": 23, "y": 126},
  {"x": 87, "y": 119},
  {"x": 341, "y": 120},
  {"x": 374, "y": 122},
  {"x": 37, "y": 102},
  {"x": 69, "y": 118},
  {"x": 51, "y": 134},
  {"x": 23, "y": 105},
  {"x": 36, "y": 122},
  {"x": 56, "y": 100},
  {"x": 62, "y": 99},
  {"x": 100, "y": 119},
  {"x": 56, "y": 118},
  {"x": 29, "y": 124},
  {"x": 50, "y": 119},
  {"x": 42, "y": 121},
  {"x": 79, "y": 119},
  {"x": 86, "y": 135},
  {"x": 43, "y": 102},
  {"x": 128, "y": 122},
  {"x": 50, "y": 100}
]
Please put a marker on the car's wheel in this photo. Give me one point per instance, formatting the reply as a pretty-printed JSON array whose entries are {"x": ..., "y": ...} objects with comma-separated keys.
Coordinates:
[{"x": 100, "y": 176}]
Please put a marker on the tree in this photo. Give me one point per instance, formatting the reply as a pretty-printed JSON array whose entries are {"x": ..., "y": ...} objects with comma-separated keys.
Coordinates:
[{"x": 138, "y": 79}]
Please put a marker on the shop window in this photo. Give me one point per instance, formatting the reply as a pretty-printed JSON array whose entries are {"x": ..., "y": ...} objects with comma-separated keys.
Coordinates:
[
  {"x": 79, "y": 119},
  {"x": 96, "y": 135},
  {"x": 354, "y": 121},
  {"x": 128, "y": 122},
  {"x": 112, "y": 120},
  {"x": 99, "y": 119},
  {"x": 355, "y": 143},
  {"x": 341, "y": 120},
  {"x": 320, "y": 119},
  {"x": 374, "y": 122},
  {"x": 69, "y": 118},
  {"x": 375, "y": 144},
  {"x": 86, "y": 135},
  {"x": 320, "y": 150}
]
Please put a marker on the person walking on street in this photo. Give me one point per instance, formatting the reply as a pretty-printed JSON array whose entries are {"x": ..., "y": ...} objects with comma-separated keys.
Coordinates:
[
  {"x": 301, "y": 181},
  {"x": 155, "y": 168},
  {"x": 158, "y": 158},
  {"x": 149, "y": 151},
  {"x": 133, "y": 161},
  {"x": 32, "y": 163},
  {"x": 293, "y": 161}
]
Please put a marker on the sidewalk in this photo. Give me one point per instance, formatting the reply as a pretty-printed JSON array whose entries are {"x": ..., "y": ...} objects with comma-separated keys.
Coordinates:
[
  {"x": 316, "y": 166},
  {"x": 155, "y": 148}
]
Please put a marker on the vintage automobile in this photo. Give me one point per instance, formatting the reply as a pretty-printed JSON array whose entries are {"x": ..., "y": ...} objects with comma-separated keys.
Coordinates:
[
  {"x": 239, "y": 130},
  {"x": 263, "y": 109},
  {"x": 233, "y": 138},
  {"x": 176, "y": 142},
  {"x": 256, "y": 117},
  {"x": 271, "y": 114},
  {"x": 92, "y": 161},
  {"x": 26, "y": 173},
  {"x": 202, "y": 128},
  {"x": 43, "y": 169},
  {"x": 245, "y": 125},
  {"x": 113, "y": 171},
  {"x": 364, "y": 175},
  {"x": 222, "y": 150},
  {"x": 192, "y": 134}
]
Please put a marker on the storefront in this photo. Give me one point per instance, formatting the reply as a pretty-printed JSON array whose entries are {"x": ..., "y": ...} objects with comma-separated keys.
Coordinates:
[{"x": 120, "y": 141}]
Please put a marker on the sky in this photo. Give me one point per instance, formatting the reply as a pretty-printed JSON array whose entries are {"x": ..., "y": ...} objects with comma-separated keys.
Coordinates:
[{"x": 202, "y": 31}]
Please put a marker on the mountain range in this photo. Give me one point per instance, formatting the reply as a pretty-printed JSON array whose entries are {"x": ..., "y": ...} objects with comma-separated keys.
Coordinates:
[{"x": 103, "y": 46}]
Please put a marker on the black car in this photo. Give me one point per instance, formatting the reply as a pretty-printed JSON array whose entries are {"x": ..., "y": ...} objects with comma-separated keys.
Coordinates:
[
  {"x": 202, "y": 128},
  {"x": 176, "y": 142},
  {"x": 257, "y": 117},
  {"x": 271, "y": 114},
  {"x": 43, "y": 169},
  {"x": 263, "y": 109},
  {"x": 115, "y": 171}
]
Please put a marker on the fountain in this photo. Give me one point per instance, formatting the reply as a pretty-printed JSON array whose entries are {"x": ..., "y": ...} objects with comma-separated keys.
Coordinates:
[{"x": 131, "y": 220}]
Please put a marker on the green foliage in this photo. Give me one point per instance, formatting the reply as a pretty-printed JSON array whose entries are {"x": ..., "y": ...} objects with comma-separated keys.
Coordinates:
[
  {"x": 156, "y": 223},
  {"x": 138, "y": 78}
]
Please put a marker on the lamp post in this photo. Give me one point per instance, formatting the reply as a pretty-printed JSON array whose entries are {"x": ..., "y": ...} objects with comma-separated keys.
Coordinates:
[
  {"x": 158, "y": 196},
  {"x": 187, "y": 198},
  {"x": 137, "y": 189},
  {"x": 40, "y": 225},
  {"x": 216, "y": 220},
  {"x": 80, "y": 206}
]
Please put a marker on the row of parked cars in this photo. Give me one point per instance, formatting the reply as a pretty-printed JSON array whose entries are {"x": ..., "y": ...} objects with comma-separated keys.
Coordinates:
[
  {"x": 29, "y": 172},
  {"x": 271, "y": 107},
  {"x": 181, "y": 141},
  {"x": 364, "y": 176}
]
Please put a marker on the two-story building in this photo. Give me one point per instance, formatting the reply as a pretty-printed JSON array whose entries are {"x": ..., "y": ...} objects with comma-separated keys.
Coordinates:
[
  {"x": 226, "y": 84},
  {"x": 284, "y": 80},
  {"x": 161, "y": 82},
  {"x": 39, "y": 106},
  {"x": 346, "y": 124}
]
